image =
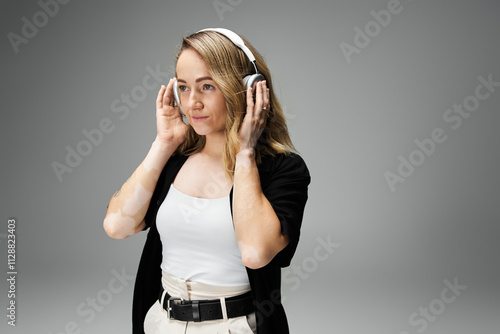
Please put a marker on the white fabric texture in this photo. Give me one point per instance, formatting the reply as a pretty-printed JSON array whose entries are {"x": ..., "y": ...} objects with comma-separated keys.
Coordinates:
[
  {"x": 156, "y": 321},
  {"x": 199, "y": 242}
]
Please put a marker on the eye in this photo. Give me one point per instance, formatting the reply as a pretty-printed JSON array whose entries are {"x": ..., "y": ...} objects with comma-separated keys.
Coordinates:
[
  {"x": 208, "y": 87},
  {"x": 182, "y": 88}
]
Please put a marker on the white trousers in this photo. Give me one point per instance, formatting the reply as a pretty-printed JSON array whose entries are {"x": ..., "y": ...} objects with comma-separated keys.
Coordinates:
[{"x": 156, "y": 321}]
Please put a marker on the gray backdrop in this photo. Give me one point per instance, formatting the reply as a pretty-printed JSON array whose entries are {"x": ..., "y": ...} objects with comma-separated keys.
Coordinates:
[{"x": 393, "y": 105}]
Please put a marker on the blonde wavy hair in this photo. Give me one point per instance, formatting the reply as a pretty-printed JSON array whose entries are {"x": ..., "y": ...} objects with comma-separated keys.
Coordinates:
[{"x": 228, "y": 64}]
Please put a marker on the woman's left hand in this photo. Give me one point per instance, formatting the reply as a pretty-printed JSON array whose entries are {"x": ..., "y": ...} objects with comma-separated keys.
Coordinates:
[{"x": 254, "y": 122}]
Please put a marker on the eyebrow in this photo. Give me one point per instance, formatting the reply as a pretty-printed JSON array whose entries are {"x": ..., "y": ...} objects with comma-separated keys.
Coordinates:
[{"x": 197, "y": 80}]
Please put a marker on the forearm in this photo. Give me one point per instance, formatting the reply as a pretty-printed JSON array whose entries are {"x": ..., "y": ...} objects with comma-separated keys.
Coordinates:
[
  {"x": 257, "y": 227},
  {"x": 128, "y": 206}
]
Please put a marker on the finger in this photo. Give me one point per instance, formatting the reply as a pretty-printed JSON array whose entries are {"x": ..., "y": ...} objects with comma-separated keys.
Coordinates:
[
  {"x": 265, "y": 104},
  {"x": 159, "y": 98},
  {"x": 168, "y": 95},
  {"x": 266, "y": 99},
  {"x": 250, "y": 103},
  {"x": 259, "y": 99}
]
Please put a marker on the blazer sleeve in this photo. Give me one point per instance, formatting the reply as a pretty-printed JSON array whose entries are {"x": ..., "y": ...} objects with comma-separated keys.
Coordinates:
[
  {"x": 149, "y": 218},
  {"x": 285, "y": 182}
]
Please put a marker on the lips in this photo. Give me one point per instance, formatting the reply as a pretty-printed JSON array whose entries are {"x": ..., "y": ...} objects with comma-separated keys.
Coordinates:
[{"x": 199, "y": 118}]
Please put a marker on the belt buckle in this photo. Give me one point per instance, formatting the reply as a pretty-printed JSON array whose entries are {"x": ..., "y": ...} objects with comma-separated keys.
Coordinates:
[{"x": 169, "y": 307}]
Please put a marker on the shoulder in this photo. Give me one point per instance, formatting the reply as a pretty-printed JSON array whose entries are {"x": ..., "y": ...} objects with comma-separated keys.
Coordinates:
[
  {"x": 283, "y": 161},
  {"x": 284, "y": 166}
]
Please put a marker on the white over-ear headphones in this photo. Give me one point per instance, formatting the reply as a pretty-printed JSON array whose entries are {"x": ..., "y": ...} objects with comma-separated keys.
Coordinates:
[{"x": 249, "y": 80}]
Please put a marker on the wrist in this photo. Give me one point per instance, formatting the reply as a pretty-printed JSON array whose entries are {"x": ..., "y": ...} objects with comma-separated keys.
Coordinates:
[
  {"x": 157, "y": 157},
  {"x": 163, "y": 144},
  {"x": 246, "y": 153},
  {"x": 244, "y": 157},
  {"x": 163, "y": 147}
]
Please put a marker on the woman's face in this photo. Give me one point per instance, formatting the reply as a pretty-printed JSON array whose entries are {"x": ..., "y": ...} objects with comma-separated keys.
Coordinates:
[{"x": 201, "y": 99}]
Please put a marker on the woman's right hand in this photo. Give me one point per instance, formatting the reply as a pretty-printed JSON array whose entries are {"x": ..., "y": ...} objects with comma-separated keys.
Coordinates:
[
  {"x": 171, "y": 130},
  {"x": 127, "y": 208}
]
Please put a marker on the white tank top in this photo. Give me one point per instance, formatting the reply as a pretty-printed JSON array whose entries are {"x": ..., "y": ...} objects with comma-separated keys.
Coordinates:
[{"x": 199, "y": 243}]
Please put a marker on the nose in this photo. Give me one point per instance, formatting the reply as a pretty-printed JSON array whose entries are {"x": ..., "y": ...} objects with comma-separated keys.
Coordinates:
[{"x": 194, "y": 101}]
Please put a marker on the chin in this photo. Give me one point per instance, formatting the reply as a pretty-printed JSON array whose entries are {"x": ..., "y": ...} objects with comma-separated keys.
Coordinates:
[
  {"x": 200, "y": 131},
  {"x": 204, "y": 131}
]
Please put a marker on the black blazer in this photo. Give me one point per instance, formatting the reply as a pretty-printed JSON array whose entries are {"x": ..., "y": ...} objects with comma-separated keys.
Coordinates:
[{"x": 284, "y": 180}]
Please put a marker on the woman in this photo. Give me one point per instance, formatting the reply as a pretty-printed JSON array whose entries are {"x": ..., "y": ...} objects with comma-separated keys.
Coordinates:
[{"x": 223, "y": 198}]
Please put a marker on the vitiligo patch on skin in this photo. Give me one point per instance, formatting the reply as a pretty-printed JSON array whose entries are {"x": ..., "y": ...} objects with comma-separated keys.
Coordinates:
[
  {"x": 148, "y": 163},
  {"x": 249, "y": 251},
  {"x": 127, "y": 222},
  {"x": 139, "y": 198},
  {"x": 243, "y": 161}
]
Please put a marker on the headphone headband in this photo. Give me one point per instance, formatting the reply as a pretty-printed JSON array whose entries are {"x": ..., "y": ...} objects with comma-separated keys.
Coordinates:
[{"x": 233, "y": 37}]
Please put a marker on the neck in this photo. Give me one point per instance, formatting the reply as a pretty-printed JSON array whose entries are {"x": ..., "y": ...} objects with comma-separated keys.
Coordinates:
[{"x": 214, "y": 145}]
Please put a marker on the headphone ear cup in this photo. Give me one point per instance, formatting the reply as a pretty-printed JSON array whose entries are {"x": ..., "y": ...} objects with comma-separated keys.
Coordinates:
[
  {"x": 178, "y": 102},
  {"x": 251, "y": 80},
  {"x": 176, "y": 95}
]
